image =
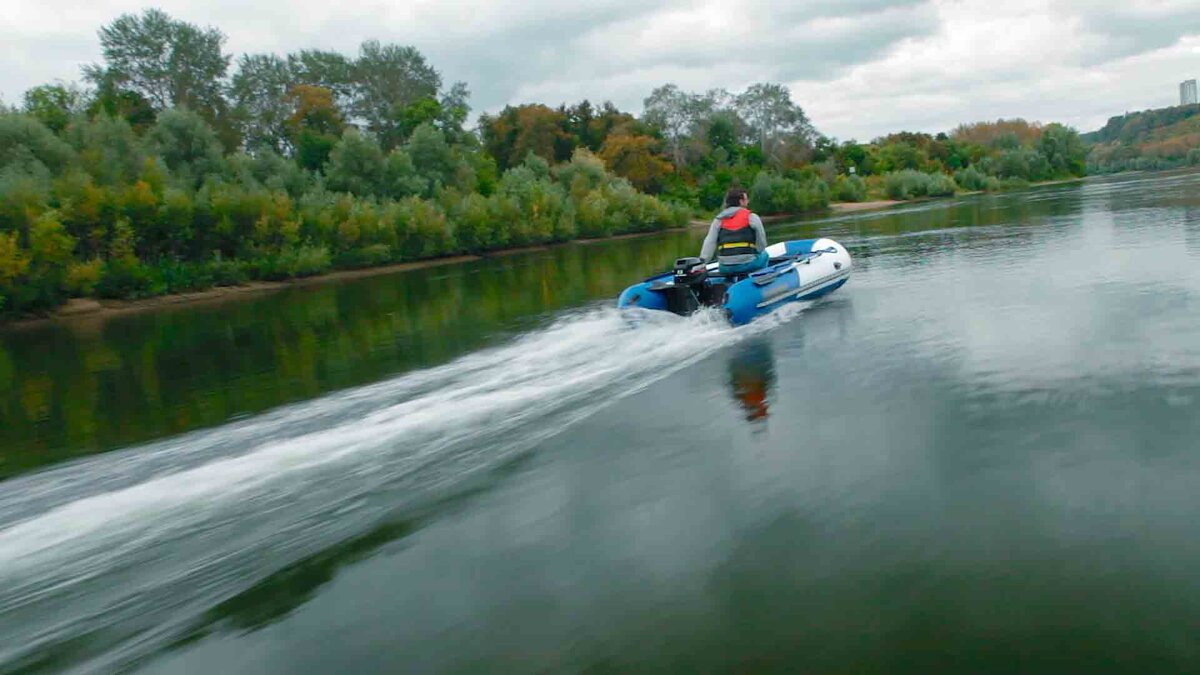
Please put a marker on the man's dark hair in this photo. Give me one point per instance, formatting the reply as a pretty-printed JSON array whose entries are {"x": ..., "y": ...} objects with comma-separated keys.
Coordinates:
[{"x": 734, "y": 196}]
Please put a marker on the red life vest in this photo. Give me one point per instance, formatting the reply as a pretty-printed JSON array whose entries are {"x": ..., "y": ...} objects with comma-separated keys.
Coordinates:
[{"x": 736, "y": 237}]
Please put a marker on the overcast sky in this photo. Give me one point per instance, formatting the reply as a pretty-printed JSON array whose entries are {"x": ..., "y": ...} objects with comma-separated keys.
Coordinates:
[{"x": 860, "y": 68}]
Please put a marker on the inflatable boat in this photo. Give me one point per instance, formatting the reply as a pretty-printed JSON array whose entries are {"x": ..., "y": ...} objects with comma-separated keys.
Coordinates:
[{"x": 799, "y": 270}]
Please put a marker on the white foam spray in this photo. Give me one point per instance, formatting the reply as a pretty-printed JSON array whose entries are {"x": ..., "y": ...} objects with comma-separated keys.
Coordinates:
[{"x": 140, "y": 541}]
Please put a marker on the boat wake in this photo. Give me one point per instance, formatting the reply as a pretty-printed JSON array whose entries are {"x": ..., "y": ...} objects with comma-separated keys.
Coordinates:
[{"x": 113, "y": 556}]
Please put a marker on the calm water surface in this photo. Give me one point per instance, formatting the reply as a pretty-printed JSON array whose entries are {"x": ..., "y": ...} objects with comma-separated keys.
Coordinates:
[{"x": 980, "y": 455}]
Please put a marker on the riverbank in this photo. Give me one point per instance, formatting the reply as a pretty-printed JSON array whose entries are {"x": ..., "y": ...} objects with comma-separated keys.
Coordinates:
[{"x": 95, "y": 308}]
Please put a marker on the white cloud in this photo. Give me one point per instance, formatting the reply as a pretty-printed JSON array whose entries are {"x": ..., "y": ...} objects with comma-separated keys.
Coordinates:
[
  {"x": 987, "y": 60},
  {"x": 860, "y": 68}
]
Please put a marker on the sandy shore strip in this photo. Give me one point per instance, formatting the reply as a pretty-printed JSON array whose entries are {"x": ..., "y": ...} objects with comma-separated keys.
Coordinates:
[
  {"x": 851, "y": 207},
  {"x": 77, "y": 309}
]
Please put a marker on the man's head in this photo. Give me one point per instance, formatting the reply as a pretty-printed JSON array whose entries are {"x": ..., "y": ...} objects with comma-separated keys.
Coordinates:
[{"x": 736, "y": 197}]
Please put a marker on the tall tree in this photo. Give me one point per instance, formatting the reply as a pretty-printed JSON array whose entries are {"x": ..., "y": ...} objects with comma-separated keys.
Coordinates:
[
  {"x": 130, "y": 106},
  {"x": 517, "y": 131},
  {"x": 455, "y": 109},
  {"x": 671, "y": 110},
  {"x": 170, "y": 63},
  {"x": 387, "y": 79},
  {"x": 1063, "y": 150},
  {"x": 431, "y": 157},
  {"x": 637, "y": 159},
  {"x": 258, "y": 93},
  {"x": 328, "y": 70},
  {"x": 772, "y": 114},
  {"x": 314, "y": 126}
]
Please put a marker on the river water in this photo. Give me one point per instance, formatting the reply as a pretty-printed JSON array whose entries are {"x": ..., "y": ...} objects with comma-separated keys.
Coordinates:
[{"x": 980, "y": 455}]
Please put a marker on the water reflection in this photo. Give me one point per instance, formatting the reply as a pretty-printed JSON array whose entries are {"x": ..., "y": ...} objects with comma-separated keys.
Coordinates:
[
  {"x": 92, "y": 385},
  {"x": 751, "y": 378}
]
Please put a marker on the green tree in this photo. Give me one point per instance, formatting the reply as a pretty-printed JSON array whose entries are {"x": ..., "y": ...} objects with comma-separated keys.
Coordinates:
[
  {"x": 186, "y": 144},
  {"x": 258, "y": 93},
  {"x": 389, "y": 78},
  {"x": 314, "y": 125},
  {"x": 109, "y": 149},
  {"x": 54, "y": 104},
  {"x": 517, "y": 131},
  {"x": 171, "y": 63},
  {"x": 23, "y": 139},
  {"x": 769, "y": 110},
  {"x": 356, "y": 165},
  {"x": 400, "y": 177},
  {"x": 112, "y": 101},
  {"x": 328, "y": 70},
  {"x": 636, "y": 158},
  {"x": 898, "y": 156},
  {"x": 431, "y": 156},
  {"x": 672, "y": 111},
  {"x": 454, "y": 109},
  {"x": 1063, "y": 150},
  {"x": 408, "y": 118}
]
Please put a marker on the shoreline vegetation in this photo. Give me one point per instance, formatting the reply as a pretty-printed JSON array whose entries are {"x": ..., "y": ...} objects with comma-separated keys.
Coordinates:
[
  {"x": 155, "y": 180},
  {"x": 93, "y": 309}
]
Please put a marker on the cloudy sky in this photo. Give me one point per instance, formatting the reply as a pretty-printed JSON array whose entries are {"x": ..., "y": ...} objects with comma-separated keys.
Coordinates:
[{"x": 860, "y": 68}]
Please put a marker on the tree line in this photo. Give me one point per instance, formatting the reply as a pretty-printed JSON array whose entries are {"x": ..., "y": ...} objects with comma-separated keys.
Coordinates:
[
  {"x": 1150, "y": 140},
  {"x": 175, "y": 167}
]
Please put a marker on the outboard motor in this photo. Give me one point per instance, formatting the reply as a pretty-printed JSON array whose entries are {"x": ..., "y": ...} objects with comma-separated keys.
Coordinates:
[
  {"x": 690, "y": 272},
  {"x": 688, "y": 282}
]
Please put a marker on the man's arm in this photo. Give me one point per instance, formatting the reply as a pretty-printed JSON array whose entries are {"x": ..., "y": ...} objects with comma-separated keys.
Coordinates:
[
  {"x": 710, "y": 240},
  {"x": 760, "y": 232}
]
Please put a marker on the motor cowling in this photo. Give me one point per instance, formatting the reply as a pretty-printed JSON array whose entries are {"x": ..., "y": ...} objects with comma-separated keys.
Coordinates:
[{"x": 690, "y": 271}]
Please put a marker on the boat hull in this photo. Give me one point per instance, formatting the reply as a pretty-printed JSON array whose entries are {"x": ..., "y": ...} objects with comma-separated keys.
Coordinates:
[{"x": 800, "y": 270}]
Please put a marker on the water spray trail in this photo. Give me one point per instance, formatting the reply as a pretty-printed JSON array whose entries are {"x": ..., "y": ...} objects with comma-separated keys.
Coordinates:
[{"x": 148, "y": 537}]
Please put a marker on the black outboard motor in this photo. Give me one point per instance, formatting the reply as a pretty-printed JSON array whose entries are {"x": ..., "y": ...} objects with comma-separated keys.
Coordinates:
[
  {"x": 683, "y": 296},
  {"x": 690, "y": 272}
]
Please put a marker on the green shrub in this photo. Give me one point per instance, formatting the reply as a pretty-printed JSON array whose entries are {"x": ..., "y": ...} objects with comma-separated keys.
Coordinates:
[
  {"x": 172, "y": 275},
  {"x": 850, "y": 189},
  {"x": 940, "y": 185},
  {"x": 906, "y": 184},
  {"x": 82, "y": 277},
  {"x": 293, "y": 262},
  {"x": 772, "y": 193},
  {"x": 420, "y": 228},
  {"x": 589, "y": 216},
  {"x": 126, "y": 278},
  {"x": 24, "y": 138},
  {"x": 910, "y": 184},
  {"x": 473, "y": 225},
  {"x": 24, "y": 195},
  {"x": 970, "y": 178},
  {"x": 1013, "y": 184},
  {"x": 226, "y": 272},
  {"x": 371, "y": 255}
]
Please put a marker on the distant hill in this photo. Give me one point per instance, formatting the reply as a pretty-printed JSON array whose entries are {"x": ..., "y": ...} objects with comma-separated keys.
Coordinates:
[{"x": 1165, "y": 138}]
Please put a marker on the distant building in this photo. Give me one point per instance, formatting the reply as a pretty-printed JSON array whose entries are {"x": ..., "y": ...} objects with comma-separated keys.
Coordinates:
[{"x": 1187, "y": 92}]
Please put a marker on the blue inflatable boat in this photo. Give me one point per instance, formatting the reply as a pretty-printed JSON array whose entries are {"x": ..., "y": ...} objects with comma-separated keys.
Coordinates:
[{"x": 799, "y": 270}]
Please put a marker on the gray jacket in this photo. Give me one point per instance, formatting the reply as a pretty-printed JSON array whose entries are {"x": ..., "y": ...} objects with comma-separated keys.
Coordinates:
[{"x": 710, "y": 241}]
